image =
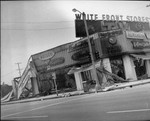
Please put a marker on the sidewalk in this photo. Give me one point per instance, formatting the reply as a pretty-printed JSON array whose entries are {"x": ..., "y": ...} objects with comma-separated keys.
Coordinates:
[
  {"x": 127, "y": 84},
  {"x": 74, "y": 93},
  {"x": 54, "y": 96}
]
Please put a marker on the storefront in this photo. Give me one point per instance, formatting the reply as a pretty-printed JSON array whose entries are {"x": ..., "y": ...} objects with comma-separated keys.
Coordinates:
[
  {"x": 123, "y": 50},
  {"x": 139, "y": 45},
  {"x": 56, "y": 60},
  {"x": 141, "y": 62},
  {"x": 129, "y": 52}
]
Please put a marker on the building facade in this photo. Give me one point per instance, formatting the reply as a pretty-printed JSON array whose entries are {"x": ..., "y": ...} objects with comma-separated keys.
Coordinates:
[{"x": 122, "y": 47}]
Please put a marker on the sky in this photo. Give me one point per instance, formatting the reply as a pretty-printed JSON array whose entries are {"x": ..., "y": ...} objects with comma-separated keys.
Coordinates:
[{"x": 30, "y": 27}]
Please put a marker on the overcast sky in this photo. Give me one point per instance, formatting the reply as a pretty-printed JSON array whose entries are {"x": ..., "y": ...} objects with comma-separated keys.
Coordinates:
[{"x": 29, "y": 27}]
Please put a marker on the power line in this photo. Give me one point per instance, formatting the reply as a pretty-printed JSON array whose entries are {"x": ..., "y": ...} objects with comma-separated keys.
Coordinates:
[
  {"x": 37, "y": 29},
  {"x": 8, "y": 73},
  {"x": 39, "y": 22}
]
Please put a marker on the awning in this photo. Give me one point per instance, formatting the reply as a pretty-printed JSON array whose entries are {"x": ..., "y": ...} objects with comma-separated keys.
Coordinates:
[
  {"x": 144, "y": 57},
  {"x": 77, "y": 69},
  {"x": 74, "y": 69},
  {"x": 83, "y": 68}
]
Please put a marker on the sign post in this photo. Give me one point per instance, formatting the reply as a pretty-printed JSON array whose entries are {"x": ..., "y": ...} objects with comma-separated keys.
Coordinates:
[{"x": 54, "y": 77}]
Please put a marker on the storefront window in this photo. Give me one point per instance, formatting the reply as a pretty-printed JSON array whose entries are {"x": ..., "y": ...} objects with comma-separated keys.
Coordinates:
[
  {"x": 140, "y": 68},
  {"x": 88, "y": 82},
  {"x": 117, "y": 66},
  {"x": 86, "y": 75},
  {"x": 63, "y": 80}
]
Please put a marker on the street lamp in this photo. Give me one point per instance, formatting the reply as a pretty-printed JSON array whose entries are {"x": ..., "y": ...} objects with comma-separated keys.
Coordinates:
[{"x": 97, "y": 86}]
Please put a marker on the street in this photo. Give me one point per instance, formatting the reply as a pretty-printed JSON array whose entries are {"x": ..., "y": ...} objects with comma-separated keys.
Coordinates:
[{"x": 130, "y": 104}]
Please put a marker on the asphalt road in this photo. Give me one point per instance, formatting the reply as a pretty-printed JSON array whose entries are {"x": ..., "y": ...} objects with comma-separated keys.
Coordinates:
[{"x": 130, "y": 104}]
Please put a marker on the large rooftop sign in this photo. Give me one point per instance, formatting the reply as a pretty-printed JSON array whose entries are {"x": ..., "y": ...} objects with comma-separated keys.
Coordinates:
[
  {"x": 101, "y": 26},
  {"x": 124, "y": 18},
  {"x": 107, "y": 22},
  {"x": 93, "y": 27},
  {"x": 113, "y": 17}
]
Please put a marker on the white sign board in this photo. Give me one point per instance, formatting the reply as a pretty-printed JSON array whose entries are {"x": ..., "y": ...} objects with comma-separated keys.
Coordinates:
[{"x": 135, "y": 35}]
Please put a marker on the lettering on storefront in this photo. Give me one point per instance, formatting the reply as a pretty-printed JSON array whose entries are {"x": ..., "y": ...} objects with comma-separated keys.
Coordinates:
[
  {"x": 81, "y": 55},
  {"x": 140, "y": 45},
  {"x": 61, "y": 48},
  {"x": 112, "y": 17},
  {"x": 88, "y": 16},
  {"x": 135, "y": 35},
  {"x": 121, "y": 18},
  {"x": 79, "y": 45},
  {"x": 56, "y": 61},
  {"x": 46, "y": 55}
]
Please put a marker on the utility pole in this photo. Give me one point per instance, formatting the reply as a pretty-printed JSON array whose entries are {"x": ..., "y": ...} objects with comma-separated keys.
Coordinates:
[
  {"x": 97, "y": 86},
  {"x": 19, "y": 68}
]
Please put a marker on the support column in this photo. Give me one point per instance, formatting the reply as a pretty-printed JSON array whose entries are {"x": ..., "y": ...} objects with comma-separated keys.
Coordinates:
[
  {"x": 148, "y": 67},
  {"x": 34, "y": 86},
  {"x": 78, "y": 80},
  {"x": 129, "y": 68},
  {"x": 14, "y": 86},
  {"x": 107, "y": 65}
]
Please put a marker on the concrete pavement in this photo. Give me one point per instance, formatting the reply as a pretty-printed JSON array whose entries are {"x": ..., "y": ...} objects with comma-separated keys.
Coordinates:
[
  {"x": 74, "y": 93},
  {"x": 60, "y": 95},
  {"x": 130, "y": 104}
]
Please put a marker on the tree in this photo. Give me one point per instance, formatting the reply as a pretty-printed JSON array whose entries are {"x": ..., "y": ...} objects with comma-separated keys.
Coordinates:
[{"x": 5, "y": 89}]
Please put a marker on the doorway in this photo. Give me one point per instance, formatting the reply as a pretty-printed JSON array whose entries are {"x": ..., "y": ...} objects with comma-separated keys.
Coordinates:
[
  {"x": 117, "y": 66},
  {"x": 140, "y": 68},
  {"x": 87, "y": 80}
]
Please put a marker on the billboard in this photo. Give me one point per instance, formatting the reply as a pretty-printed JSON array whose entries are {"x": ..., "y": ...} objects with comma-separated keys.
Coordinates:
[
  {"x": 139, "y": 26},
  {"x": 93, "y": 27}
]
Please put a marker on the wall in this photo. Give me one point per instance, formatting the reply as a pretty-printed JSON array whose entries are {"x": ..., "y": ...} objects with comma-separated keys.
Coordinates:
[
  {"x": 69, "y": 54},
  {"x": 137, "y": 42},
  {"x": 130, "y": 39}
]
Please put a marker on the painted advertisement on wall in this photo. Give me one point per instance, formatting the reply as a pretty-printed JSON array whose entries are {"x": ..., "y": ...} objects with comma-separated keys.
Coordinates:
[
  {"x": 128, "y": 42},
  {"x": 110, "y": 43},
  {"x": 124, "y": 37},
  {"x": 70, "y": 54},
  {"x": 138, "y": 41},
  {"x": 53, "y": 58}
]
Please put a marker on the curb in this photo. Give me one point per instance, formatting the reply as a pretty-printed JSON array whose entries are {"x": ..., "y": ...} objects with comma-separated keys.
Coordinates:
[
  {"x": 68, "y": 94},
  {"x": 45, "y": 98}
]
